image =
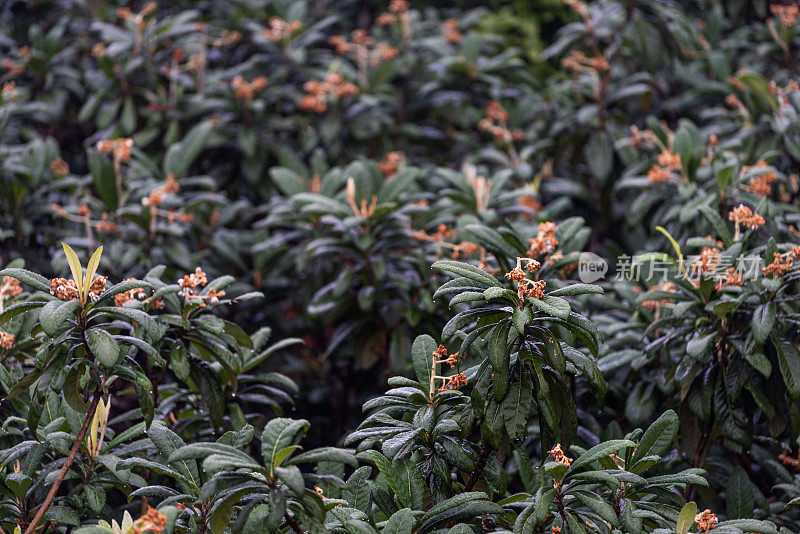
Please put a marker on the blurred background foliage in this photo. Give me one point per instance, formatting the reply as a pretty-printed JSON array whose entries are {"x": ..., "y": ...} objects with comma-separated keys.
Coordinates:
[{"x": 326, "y": 153}]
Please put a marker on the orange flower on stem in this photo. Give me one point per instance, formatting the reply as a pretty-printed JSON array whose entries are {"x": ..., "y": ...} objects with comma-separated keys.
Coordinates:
[
  {"x": 438, "y": 357},
  {"x": 743, "y": 215},
  {"x": 559, "y": 456},
  {"x": 545, "y": 241},
  {"x": 527, "y": 288},
  {"x": 706, "y": 521}
]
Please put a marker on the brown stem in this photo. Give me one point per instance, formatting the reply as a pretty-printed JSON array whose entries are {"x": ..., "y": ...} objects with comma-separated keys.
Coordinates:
[
  {"x": 293, "y": 523},
  {"x": 485, "y": 450},
  {"x": 71, "y": 458},
  {"x": 560, "y": 505},
  {"x": 202, "y": 523},
  {"x": 697, "y": 459}
]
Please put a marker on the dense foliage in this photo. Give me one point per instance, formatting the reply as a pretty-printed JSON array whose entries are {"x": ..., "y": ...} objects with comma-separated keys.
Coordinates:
[{"x": 399, "y": 267}]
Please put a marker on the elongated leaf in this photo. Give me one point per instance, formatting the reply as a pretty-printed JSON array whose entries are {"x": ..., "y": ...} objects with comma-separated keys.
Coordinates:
[
  {"x": 576, "y": 289},
  {"x": 18, "y": 309},
  {"x": 763, "y": 320},
  {"x": 686, "y": 518},
  {"x": 789, "y": 364},
  {"x": 167, "y": 443},
  {"x": 74, "y": 265},
  {"x": 103, "y": 346},
  {"x": 91, "y": 268},
  {"x": 279, "y": 433},
  {"x": 555, "y": 306},
  {"x": 422, "y": 358},
  {"x": 466, "y": 270},
  {"x": 34, "y": 280},
  {"x": 122, "y": 287},
  {"x": 54, "y": 315},
  {"x": 463, "y": 507},
  {"x": 658, "y": 437},
  {"x": 401, "y": 522},
  {"x": 599, "y": 451},
  {"x": 132, "y": 315},
  {"x": 388, "y": 471},
  {"x": 325, "y": 454}
]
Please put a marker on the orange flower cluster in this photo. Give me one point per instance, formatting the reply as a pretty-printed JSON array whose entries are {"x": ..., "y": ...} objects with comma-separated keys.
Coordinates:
[
  {"x": 397, "y": 8},
  {"x": 529, "y": 202},
  {"x": 545, "y": 241},
  {"x": 732, "y": 101},
  {"x": 555, "y": 530},
  {"x": 319, "y": 92},
  {"x": 99, "y": 50},
  {"x": 496, "y": 123},
  {"x": 641, "y": 138},
  {"x": 706, "y": 521},
  {"x": 440, "y": 356},
  {"x": 11, "y": 288},
  {"x": 741, "y": 214},
  {"x": 9, "y": 91},
  {"x": 16, "y": 69},
  {"x": 131, "y": 294},
  {"x": 559, "y": 456},
  {"x": 787, "y": 13},
  {"x": 6, "y": 340},
  {"x": 732, "y": 278},
  {"x": 246, "y": 90},
  {"x": 13, "y": 69},
  {"x": 660, "y": 303},
  {"x": 577, "y": 61},
  {"x": 670, "y": 160},
  {"x": 279, "y": 29},
  {"x": 186, "y": 218},
  {"x": 152, "y": 521},
  {"x": 59, "y": 167},
  {"x": 454, "y": 382},
  {"x": 391, "y": 163},
  {"x": 736, "y": 83},
  {"x": 527, "y": 288},
  {"x": 451, "y": 32},
  {"x": 707, "y": 262},
  {"x": 156, "y": 196},
  {"x": 65, "y": 289},
  {"x": 360, "y": 44},
  {"x": 464, "y": 249},
  {"x": 761, "y": 184},
  {"x": 121, "y": 148},
  {"x": 658, "y": 174},
  {"x": 783, "y": 93},
  {"x": 789, "y": 461},
  {"x": 103, "y": 225},
  {"x": 319, "y": 491},
  {"x": 781, "y": 263},
  {"x": 441, "y": 234},
  {"x": 227, "y": 38},
  {"x": 189, "y": 284}
]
